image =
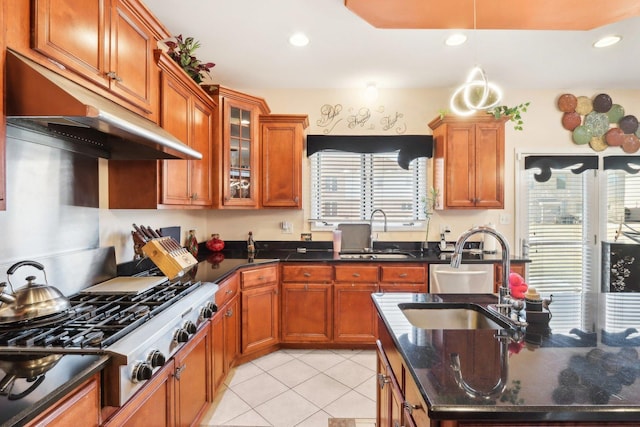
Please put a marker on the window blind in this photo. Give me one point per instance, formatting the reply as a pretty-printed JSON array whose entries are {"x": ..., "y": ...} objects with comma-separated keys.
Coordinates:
[{"x": 349, "y": 186}]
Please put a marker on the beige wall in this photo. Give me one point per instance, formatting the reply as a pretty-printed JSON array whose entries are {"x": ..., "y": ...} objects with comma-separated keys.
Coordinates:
[{"x": 542, "y": 133}]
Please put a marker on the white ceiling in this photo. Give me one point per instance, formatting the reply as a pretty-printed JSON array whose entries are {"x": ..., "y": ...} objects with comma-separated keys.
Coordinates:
[{"x": 248, "y": 41}]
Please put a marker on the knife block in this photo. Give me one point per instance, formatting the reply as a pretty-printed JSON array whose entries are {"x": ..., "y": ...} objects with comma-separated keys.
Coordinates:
[{"x": 171, "y": 258}]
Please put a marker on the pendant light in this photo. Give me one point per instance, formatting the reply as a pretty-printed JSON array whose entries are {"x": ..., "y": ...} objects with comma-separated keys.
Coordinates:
[{"x": 477, "y": 92}]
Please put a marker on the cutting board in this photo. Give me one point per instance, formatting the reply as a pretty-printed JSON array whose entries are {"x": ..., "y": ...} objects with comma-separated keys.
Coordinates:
[{"x": 125, "y": 285}]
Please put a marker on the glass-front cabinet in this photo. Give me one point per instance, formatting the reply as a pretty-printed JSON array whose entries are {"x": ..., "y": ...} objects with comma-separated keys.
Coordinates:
[
  {"x": 238, "y": 157},
  {"x": 241, "y": 174}
]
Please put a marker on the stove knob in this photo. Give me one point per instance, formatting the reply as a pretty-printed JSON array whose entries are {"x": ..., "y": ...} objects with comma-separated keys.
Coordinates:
[
  {"x": 141, "y": 372},
  {"x": 190, "y": 327},
  {"x": 206, "y": 313},
  {"x": 155, "y": 359},
  {"x": 181, "y": 336},
  {"x": 212, "y": 306}
]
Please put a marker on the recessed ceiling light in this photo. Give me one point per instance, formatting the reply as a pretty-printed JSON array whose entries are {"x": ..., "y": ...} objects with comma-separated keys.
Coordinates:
[
  {"x": 299, "y": 39},
  {"x": 455, "y": 39},
  {"x": 607, "y": 41}
]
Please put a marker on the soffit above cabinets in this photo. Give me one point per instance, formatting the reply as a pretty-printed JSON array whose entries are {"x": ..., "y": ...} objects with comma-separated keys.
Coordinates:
[{"x": 493, "y": 14}]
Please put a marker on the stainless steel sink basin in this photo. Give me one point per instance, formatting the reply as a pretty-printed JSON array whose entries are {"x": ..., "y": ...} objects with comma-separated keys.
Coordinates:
[
  {"x": 377, "y": 255},
  {"x": 450, "y": 316}
]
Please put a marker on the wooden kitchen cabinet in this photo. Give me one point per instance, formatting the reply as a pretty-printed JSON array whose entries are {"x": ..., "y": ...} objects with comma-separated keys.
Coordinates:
[
  {"x": 104, "y": 41},
  {"x": 236, "y": 156},
  {"x": 260, "y": 309},
  {"x": 281, "y": 143},
  {"x": 224, "y": 329},
  {"x": 152, "y": 406},
  {"x": 193, "y": 377},
  {"x": 3, "y": 130},
  {"x": 354, "y": 312},
  {"x": 307, "y": 303},
  {"x": 515, "y": 267},
  {"x": 187, "y": 112},
  {"x": 403, "y": 278},
  {"x": 80, "y": 407},
  {"x": 469, "y": 161}
]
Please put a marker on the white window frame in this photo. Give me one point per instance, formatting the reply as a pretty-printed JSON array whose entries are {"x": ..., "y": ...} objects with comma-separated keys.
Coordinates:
[{"x": 326, "y": 224}]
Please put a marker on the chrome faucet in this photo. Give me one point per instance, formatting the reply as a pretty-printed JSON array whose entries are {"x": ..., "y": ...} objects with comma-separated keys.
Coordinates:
[
  {"x": 371, "y": 226},
  {"x": 504, "y": 299}
]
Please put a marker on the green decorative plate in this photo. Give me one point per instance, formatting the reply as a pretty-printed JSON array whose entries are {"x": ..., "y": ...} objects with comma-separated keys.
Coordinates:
[
  {"x": 598, "y": 123},
  {"x": 582, "y": 135}
]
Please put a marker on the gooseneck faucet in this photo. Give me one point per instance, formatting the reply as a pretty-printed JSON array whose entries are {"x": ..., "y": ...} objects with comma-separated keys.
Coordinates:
[
  {"x": 371, "y": 226},
  {"x": 456, "y": 258}
]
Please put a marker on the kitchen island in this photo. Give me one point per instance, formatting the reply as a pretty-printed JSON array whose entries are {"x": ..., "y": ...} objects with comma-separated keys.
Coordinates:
[{"x": 580, "y": 367}]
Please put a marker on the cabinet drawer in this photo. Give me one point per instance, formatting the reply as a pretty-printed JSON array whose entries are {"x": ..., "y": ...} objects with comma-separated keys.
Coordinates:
[
  {"x": 259, "y": 277},
  {"x": 403, "y": 274},
  {"x": 227, "y": 290},
  {"x": 307, "y": 273},
  {"x": 357, "y": 273}
]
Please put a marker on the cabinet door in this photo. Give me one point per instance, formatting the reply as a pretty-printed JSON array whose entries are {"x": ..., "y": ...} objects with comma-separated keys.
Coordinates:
[
  {"x": 193, "y": 378},
  {"x": 81, "y": 407},
  {"x": 519, "y": 267},
  {"x": 460, "y": 160},
  {"x": 3, "y": 200},
  {"x": 489, "y": 165},
  {"x": 131, "y": 58},
  {"x": 259, "y": 318},
  {"x": 74, "y": 33},
  {"x": 231, "y": 333},
  {"x": 200, "y": 178},
  {"x": 383, "y": 392},
  {"x": 175, "y": 118},
  {"x": 354, "y": 313},
  {"x": 281, "y": 144},
  {"x": 240, "y": 154},
  {"x": 218, "y": 368},
  {"x": 307, "y": 310},
  {"x": 153, "y": 406}
]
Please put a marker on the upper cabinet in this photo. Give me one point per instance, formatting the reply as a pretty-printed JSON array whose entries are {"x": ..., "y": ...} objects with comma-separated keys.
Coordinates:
[
  {"x": 469, "y": 161},
  {"x": 188, "y": 113},
  {"x": 281, "y": 143},
  {"x": 3, "y": 52},
  {"x": 237, "y": 148},
  {"x": 104, "y": 41}
]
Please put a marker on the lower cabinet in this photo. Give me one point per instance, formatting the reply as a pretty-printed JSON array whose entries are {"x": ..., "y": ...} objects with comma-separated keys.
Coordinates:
[
  {"x": 354, "y": 318},
  {"x": 153, "y": 406},
  {"x": 192, "y": 378},
  {"x": 260, "y": 309},
  {"x": 307, "y": 310},
  {"x": 81, "y": 407},
  {"x": 177, "y": 395},
  {"x": 399, "y": 402}
]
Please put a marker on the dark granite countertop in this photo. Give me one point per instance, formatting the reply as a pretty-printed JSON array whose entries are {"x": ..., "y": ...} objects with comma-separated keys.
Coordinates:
[
  {"x": 582, "y": 365},
  {"x": 57, "y": 375}
]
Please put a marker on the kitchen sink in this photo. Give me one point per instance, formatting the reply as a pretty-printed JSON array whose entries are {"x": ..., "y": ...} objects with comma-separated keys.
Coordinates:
[
  {"x": 377, "y": 255},
  {"x": 450, "y": 316}
]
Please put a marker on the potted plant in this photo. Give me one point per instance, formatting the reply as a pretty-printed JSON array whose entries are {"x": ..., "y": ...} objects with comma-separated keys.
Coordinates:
[
  {"x": 514, "y": 113},
  {"x": 182, "y": 51}
]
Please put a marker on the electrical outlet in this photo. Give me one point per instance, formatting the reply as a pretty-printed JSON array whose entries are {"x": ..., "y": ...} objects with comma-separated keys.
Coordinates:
[
  {"x": 505, "y": 218},
  {"x": 286, "y": 227},
  {"x": 444, "y": 228}
]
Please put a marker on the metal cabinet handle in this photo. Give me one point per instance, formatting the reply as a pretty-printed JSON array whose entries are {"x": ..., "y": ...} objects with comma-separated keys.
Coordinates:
[
  {"x": 356, "y": 274},
  {"x": 306, "y": 274},
  {"x": 410, "y": 408},
  {"x": 403, "y": 275},
  {"x": 383, "y": 379},
  {"x": 230, "y": 312},
  {"x": 229, "y": 291},
  {"x": 179, "y": 371},
  {"x": 113, "y": 76}
]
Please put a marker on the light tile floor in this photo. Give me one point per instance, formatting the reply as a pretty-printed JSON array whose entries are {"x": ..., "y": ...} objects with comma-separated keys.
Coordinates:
[{"x": 298, "y": 388}]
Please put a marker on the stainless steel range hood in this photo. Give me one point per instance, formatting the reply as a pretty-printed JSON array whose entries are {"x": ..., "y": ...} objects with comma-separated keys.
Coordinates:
[{"x": 43, "y": 101}]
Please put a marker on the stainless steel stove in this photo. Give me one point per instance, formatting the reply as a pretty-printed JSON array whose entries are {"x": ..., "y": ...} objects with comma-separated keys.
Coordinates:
[{"x": 140, "y": 332}]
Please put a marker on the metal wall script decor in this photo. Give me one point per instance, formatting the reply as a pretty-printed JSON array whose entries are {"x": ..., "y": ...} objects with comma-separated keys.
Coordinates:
[{"x": 333, "y": 117}]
